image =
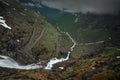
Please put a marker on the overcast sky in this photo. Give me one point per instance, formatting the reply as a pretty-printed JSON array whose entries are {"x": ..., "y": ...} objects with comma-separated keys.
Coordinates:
[{"x": 96, "y": 6}]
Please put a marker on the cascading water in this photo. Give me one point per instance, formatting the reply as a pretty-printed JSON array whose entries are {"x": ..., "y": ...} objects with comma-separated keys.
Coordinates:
[
  {"x": 8, "y": 62},
  {"x": 55, "y": 60}
]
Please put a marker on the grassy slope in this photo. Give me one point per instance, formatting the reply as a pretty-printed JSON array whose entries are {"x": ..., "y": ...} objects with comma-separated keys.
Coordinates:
[
  {"x": 75, "y": 69},
  {"x": 79, "y": 31},
  {"x": 106, "y": 67},
  {"x": 23, "y": 22}
]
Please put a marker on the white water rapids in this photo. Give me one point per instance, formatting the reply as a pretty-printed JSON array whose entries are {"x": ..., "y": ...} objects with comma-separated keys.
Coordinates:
[
  {"x": 55, "y": 60},
  {"x": 8, "y": 62}
]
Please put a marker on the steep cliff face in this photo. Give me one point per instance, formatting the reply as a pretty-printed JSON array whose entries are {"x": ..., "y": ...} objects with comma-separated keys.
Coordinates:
[{"x": 30, "y": 36}]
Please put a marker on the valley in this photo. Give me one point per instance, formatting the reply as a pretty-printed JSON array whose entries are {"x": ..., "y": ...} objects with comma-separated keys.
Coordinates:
[{"x": 42, "y": 43}]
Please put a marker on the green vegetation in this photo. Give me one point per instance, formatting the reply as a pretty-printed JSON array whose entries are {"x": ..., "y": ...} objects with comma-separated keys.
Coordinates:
[
  {"x": 95, "y": 61},
  {"x": 78, "y": 30},
  {"x": 36, "y": 36}
]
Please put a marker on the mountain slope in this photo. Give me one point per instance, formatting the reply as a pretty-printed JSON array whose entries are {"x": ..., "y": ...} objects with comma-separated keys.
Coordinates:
[
  {"x": 30, "y": 34},
  {"x": 32, "y": 39}
]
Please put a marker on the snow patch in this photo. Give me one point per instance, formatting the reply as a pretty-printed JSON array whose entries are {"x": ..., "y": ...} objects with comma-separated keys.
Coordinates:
[
  {"x": 118, "y": 57},
  {"x": 61, "y": 67},
  {"x": 2, "y": 22},
  {"x": 18, "y": 40}
]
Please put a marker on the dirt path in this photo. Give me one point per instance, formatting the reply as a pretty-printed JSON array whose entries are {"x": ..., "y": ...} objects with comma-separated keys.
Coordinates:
[
  {"x": 31, "y": 43},
  {"x": 92, "y": 43},
  {"x": 40, "y": 36},
  {"x": 27, "y": 46},
  {"x": 55, "y": 60}
]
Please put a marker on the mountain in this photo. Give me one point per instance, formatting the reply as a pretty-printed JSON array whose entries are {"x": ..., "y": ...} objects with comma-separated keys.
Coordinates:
[
  {"x": 31, "y": 35},
  {"x": 78, "y": 46},
  {"x": 84, "y": 28}
]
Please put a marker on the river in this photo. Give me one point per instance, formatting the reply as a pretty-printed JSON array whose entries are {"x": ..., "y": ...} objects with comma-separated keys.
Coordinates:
[{"x": 8, "y": 62}]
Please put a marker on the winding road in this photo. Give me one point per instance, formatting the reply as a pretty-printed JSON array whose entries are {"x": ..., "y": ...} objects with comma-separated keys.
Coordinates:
[
  {"x": 55, "y": 60},
  {"x": 31, "y": 43},
  {"x": 8, "y": 62},
  {"x": 28, "y": 45}
]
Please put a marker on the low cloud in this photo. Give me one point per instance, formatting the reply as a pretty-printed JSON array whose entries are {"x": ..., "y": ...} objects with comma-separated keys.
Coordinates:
[{"x": 95, "y": 6}]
